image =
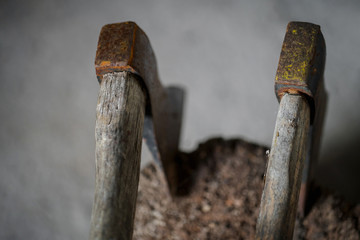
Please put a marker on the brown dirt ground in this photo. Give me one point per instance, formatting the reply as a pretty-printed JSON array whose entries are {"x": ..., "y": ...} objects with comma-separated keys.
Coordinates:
[{"x": 221, "y": 196}]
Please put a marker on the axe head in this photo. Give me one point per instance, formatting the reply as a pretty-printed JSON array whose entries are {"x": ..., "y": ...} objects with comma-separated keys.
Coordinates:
[{"x": 301, "y": 64}]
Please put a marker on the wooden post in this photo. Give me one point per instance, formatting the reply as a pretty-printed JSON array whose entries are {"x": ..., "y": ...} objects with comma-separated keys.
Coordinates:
[
  {"x": 119, "y": 126},
  {"x": 284, "y": 173}
]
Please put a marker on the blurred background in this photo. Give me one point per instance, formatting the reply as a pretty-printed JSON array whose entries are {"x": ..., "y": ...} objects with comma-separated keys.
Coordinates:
[{"x": 225, "y": 53}]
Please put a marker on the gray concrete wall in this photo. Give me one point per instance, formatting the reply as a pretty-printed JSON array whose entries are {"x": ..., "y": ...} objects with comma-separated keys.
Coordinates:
[{"x": 225, "y": 54}]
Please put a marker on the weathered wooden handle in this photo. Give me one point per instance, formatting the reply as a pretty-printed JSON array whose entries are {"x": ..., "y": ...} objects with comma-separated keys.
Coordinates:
[
  {"x": 284, "y": 172},
  {"x": 119, "y": 126}
]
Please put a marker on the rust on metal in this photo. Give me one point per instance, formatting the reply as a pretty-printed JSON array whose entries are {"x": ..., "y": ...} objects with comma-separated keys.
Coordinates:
[
  {"x": 115, "y": 48},
  {"x": 118, "y": 43},
  {"x": 302, "y": 61}
]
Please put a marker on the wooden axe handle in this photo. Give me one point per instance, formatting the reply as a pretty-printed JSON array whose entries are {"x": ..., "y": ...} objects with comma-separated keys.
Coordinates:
[
  {"x": 284, "y": 172},
  {"x": 119, "y": 125}
]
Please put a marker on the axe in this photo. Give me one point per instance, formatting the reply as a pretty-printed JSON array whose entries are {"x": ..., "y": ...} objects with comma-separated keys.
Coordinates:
[
  {"x": 132, "y": 104},
  {"x": 299, "y": 87}
]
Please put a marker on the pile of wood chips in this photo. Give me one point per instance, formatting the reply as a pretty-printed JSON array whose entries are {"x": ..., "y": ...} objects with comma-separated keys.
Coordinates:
[{"x": 221, "y": 198}]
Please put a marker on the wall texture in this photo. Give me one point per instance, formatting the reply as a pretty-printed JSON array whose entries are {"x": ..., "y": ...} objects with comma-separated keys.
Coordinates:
[{"x": 225, "y": 54}]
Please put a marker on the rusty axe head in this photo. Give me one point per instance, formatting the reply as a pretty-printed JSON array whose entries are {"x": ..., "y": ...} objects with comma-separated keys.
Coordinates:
[{"x": 301, "y": 64}]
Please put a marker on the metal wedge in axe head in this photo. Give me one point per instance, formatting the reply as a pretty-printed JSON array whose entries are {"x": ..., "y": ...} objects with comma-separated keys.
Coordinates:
[
  {"x": 299, "y": 86},
  {"x": 132, "y": 104}
]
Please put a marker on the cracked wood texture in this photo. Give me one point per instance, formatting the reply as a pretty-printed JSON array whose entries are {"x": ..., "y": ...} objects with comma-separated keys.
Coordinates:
[
  {"x": 118, "y": 134},
  {"x": 284, "y": 172}
]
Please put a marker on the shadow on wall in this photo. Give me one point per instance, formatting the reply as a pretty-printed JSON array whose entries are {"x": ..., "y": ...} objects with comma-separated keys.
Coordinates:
[{"x": 339, "y": 166}]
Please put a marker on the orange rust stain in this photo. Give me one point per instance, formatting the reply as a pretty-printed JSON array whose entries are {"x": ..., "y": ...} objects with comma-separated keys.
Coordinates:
[
  {"x": 292, "y": 91},
  {"x": 132, "y": 45},
  {"x": 105, "y": 63}
]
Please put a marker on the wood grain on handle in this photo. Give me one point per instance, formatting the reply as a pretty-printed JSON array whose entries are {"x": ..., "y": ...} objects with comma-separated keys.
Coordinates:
[
  {"x": 284, "y": 173},
  {"x": 118, "y": 133}
]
